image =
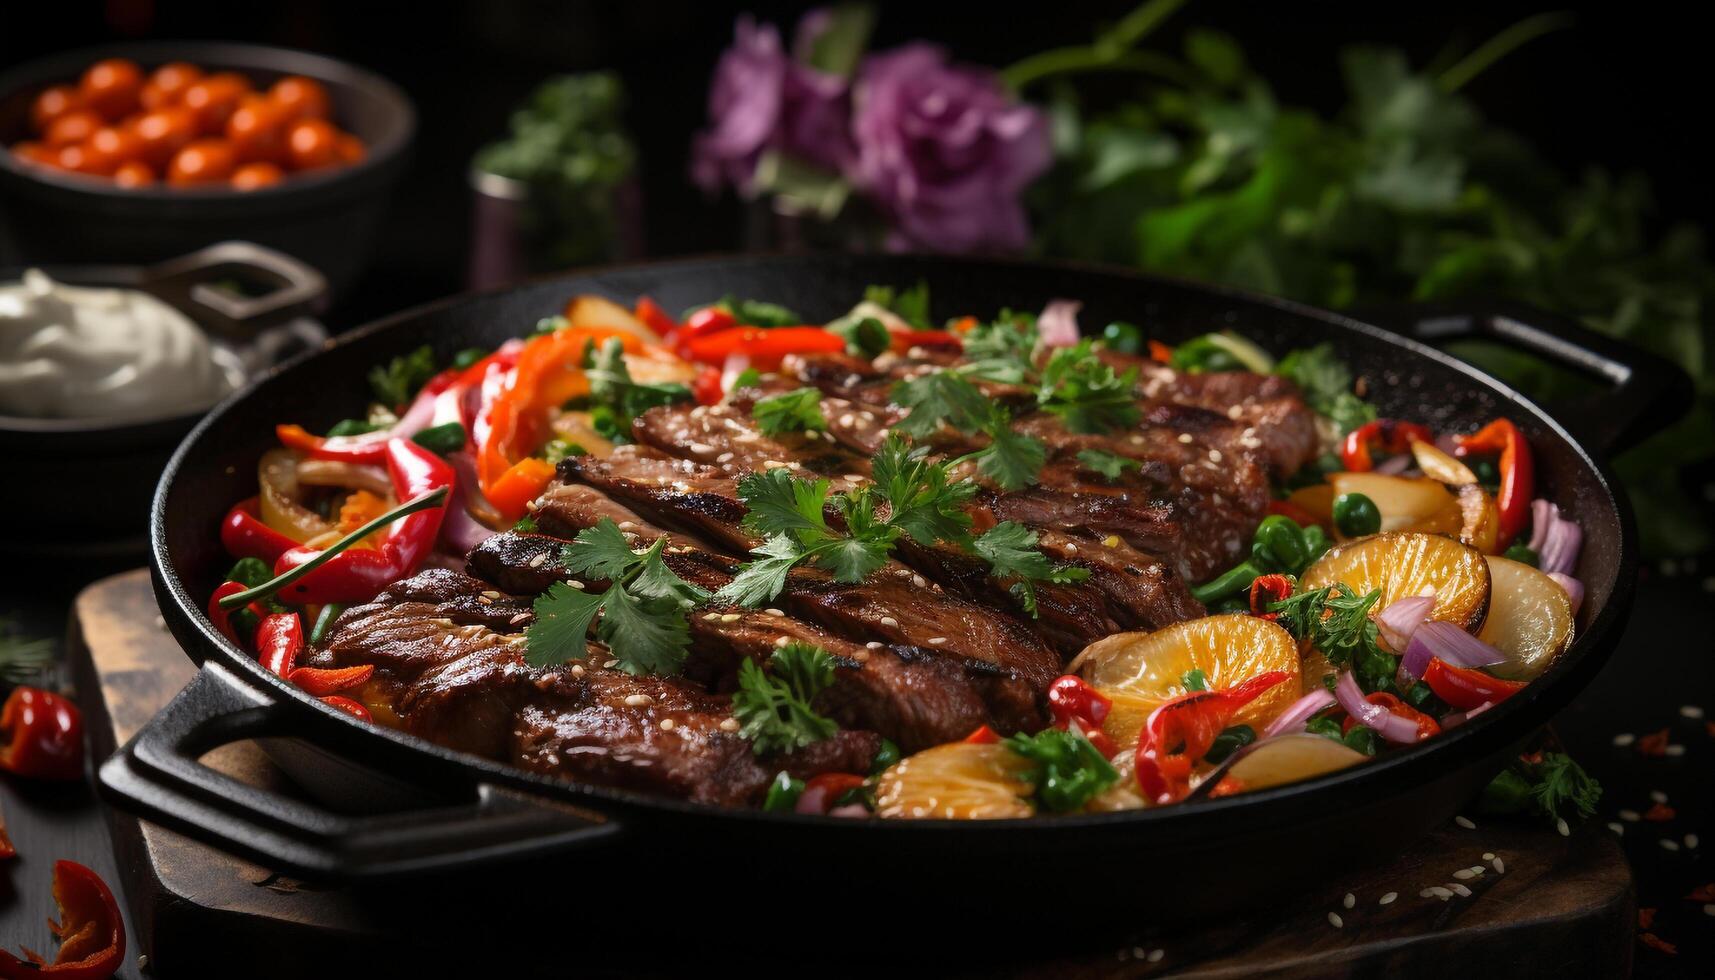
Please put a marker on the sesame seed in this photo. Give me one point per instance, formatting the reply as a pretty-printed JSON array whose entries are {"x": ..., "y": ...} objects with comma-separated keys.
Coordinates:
[
  {"x": 889, "y": 621},
  {"x": 774, "y": 612},
  {"x": 577, "y": 670},
  {"x": 521, "y": 617},
  {"x": 854, "y": 478},
  {"x": 1691, "y": 841},
  {"x": 861, "y": 656},
  {"x": 1111, "y": 541},
  {"x": 937, "y": 640},
  {"x": 729, "y": 724},
  {"x": 1351, "y": 900},
  {"x": 1500, "y": 866},
  {"x": 1214, "y": 455},
  {"x": 1465, "y": 822},
  {"x": 1488, "y": 855},
  {"x": 1388, "y": 898},
  {"x": 772, "y": 464},
  {"x": 1461, "y": 891},
  {"x": 1674, "y": 750},
  {"x": 1709, "y": 909},
  {"x": 1658, "y": 796},
  {"x": 1465, "y": 874},
  {"x": 1155, "y": 955},
  {"x": 919, "y": 581},
  {"x": 699, "y": 447},
  {"x": 782, "y": 641},
  {"x": 667, "y": 724},
  {"x": 1185, "y": 437},
  {"x": 638, "y": 700},
  {"x": 1441, "y": 893},
  {"x": 483, "y": 600},
  {"x": 611, "y": 664},
  {"x": 1071, "y": 549},
  {"x": 1335, "y": 920},
  {"x": 1669, "y": 845},
  {"x": 1426, "y": 893},
  {"x": 1618, "y": 828},
  {"x": 724, "y": 458},
  {"x": 729, "y": 617},
  {"x": 1234, "y": 411},
  {"x": 847, "y": 420},
  {"x": 1631, "y": 815},
  {"x": 537, "y": 560},
  {"x": 873, "y": 645},
  {"x": 1624, "y": 739},
  {"x": 1136, "y": 440},
  {"x": 1560, "y": 825},
  {"x": 1690, "y": 711},
  {"x": 490, "y": 594}
]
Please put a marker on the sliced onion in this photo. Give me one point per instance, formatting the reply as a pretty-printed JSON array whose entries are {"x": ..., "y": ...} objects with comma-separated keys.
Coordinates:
[
  {"x": 735, "y": 365},
  {"x": 1057, "y": 326},
  {"x": 1574, "y": 589},
  {"x": 1294, "y": 718},
  {"x": 1386, "y": 724},
  {"x": 850, "y": 810},
  {"x": 1393, "y": 465},
  {"x": 1449, "y": 644},
  {"x": 459, "y": 530},
  {"x": 1542, "y": 516},
  {"x": 1401, "y": 619},
  {"x": 1560, "y": 549},
  {"x": 339, "y": 473}
]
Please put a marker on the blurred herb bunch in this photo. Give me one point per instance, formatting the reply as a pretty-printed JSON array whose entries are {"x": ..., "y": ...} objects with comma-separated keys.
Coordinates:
[{"x": 1406, "y": 193}]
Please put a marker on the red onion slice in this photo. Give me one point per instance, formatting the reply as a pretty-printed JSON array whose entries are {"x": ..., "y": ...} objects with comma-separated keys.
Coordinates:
[
  {"x": 1294, "y": 718},
  {"x": 1542, "y": 516},
  {"x": 1560, "y": 549},
  {"x": 1450, "y": 644},
  {"x": 1386, "y": 724},
  {"x": 459, "y": 530},
  {"x": 1394, "y": 465},
  {"x": 1400, "y": 620},
  {"x": 734, "y": 366},
  {"x": 1057, "y": 326},
  {"x": 1574, "y": 589}
]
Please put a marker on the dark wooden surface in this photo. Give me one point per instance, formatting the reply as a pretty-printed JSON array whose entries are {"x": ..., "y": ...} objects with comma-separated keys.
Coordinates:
[{"x": 1562, "y": 908}]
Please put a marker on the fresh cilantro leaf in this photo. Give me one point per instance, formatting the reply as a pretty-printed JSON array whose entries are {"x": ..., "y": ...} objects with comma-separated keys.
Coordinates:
[
  {"x": 746, "y": 378},
  {"x": 525, "y": 525},
  {"x": 612, "y": 388},
  {"x": 1002, "y": 350},
  {"x": 764, "y": 576},
  {"x": 646, "y": 636},
  {"x": 560, "y": 629},
  {"x": 1010, "y": 549},
  {"x": 1327, "y": 385},
  {"x": 910, "y": 305},
  {"x": 865, "y": 337},
  {"x": 1336, "y": 620},
  {"x": 1111, "y": 466},
  {"x": 601, "y": 551},
  {"x": 780, "y": 503},
  {"x": 1195, "y": 680},
  {"x": 1011, "y": 459},
  {"x": 774, "y": 707},
  {"x": 921, "y": 501},
  {"x": 942, "y": 397},
  {"x": 1069, "y": 771},
  {"x": 791, "y": 411},
  {"x": 656, "y": 581},
  {"x": 1086, "y": 392},
  {"x": 396, "y": 382},
  {"x": 1560, "y": 782}
]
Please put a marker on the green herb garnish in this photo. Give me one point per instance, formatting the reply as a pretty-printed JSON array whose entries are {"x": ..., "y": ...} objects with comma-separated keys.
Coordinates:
[
  {"x": 1069, "y": 771},
  {"x": 616, "y": 400},
  {"x": 449, "y": 437},
  {"x": 1195, "y": 680},
  {"x": 1326, "y": 382},
  {"x": 792, "y": 411},
  {"x": 865, "y": 337},
  {"x": 351, "y": 427},
  {"x": 910, "y": 305},
  {"x": 1111, "y": 466},
  {"x": 1086, "y": 393},
  {"x": 773, "y": 706},
  {"x": 1010, "y": 549},
  {"x": 396, "y": 382}
]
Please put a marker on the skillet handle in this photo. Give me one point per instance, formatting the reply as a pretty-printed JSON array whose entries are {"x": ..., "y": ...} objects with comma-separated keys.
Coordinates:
[
  {"x": 158, "y": 776},
  {"x": 1646, "y": 392},
  {"x": 189, "y": 282}
]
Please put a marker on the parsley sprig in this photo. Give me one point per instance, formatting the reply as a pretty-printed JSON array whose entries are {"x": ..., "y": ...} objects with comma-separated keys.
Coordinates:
[
  {"x": 1010, "y": 550},
  {"x": 1011, "y": 459},
  {"x": 773, "y": 706},
  {"x": 1069, "y": 771},
  {"x": 791, "y": 411},
  {"x": 616, "y": 399},
  {"x": 1111, "y": 466},
  {"x": 1086, "y": 392},
  {"x": 642, "y": 610},
  {"x": 1550, "y": 783},
  {"x": 1336, "y": 620}
]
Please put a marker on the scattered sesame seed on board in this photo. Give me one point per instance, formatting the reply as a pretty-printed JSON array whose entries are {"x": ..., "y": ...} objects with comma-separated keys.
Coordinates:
[
  {"x": 1691, "y": 711},
  {"x": 1500, "y": 866},
  {"x": 1691, "y": 841},
  {"x": 1617, "y": 827},
  {"x": 1335, "y": 920},
  {"x": 1561, "y": 825},
  {"x": 1624, "y": 739},
  {"x": 1465, "y": 822},
  {"x": 1387, "y": 899},
  {"x": 1350, "y": 900},
  {"x": 1629, "y": 815},
  {"x": 1669, "y": 845},
  {"x": 1155, "y": 955},
  {"x": 1464, "y": 874},
  {"x": 1674, "y": 749},
  {"x": 1658, "y": 796},
  {"x": 1442, "y": 893},
  {"x": 1488, "y": 855},
  {"x": 1461, "y": 891}
]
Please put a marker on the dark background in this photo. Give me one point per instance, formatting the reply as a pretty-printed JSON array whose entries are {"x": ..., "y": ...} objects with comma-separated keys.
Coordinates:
[{"x": 1620, "y": 90}]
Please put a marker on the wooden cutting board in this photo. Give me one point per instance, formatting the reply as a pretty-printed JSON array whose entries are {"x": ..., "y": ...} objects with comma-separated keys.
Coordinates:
[{"x": 1563, "y": 906}]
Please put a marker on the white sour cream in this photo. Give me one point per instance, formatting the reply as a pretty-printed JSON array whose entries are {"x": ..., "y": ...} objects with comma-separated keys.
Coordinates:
[{"x": 78, "y": 352}]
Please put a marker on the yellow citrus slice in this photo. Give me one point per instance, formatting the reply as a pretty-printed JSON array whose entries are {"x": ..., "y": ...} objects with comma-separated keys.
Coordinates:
[
  {"x": 1290, "y": 758},
  {"x": 956, "y": 781},
  {"x": 1406, "y": 503},
  {"x": 1407, "y": 563},
  {"x": 1141, "y": 670},
  {"x": 1530, "y": 618}
]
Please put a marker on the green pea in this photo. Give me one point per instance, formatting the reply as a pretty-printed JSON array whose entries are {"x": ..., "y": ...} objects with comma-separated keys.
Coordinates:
[
  {"x": 1123, "y": 337},
  {"x": 441, "y": 439},
  {"x": 783, "y": 793},
  {"x": 886, "y": 756},
  {"x": 1356, "y": 515},
  {"x": 1524, "y": 553}
]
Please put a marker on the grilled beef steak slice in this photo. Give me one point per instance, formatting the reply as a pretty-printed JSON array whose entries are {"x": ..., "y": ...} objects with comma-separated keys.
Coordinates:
[
  {"x": 673, "y": 493},
  {"x": 1270, "y": 407},
  {"x": 727, "y": 439}
]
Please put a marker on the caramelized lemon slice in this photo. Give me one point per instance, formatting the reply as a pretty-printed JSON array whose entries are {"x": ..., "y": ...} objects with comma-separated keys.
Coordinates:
[
  {"x": 1406, "y": 503},
  {"x": 1141, "y": 670},
  {"x": 1407, "y": 563},
  {"x": 957, "y": 781},
  {"x": 1530, "y": 618},
  {"x": 1290, "y": 758}
]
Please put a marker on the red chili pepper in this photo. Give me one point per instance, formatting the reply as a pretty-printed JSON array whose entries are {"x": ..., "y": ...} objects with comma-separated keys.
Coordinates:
[
  {"x": 904, "y": 340},
  {"x": 244, "y": 535},
  {"x": 1070, "y": 696},
  {"x": 367, "y": 447},
  {"x": 357, "y": 574},
  {"x": 1160, "y": 353},
  {"x": 1518, "y": 472},
  {"x": 1466, "y": 688},
  {"x": 1427, "y": 727},
  {"x": 221, "y": 618},
  {"x": 651, "y": 315},
  {"x": 41, "y": 735},
  {"x": 90, "y": 930},
  {"x": 764, "y": 346},
  {"x": 707, "y": 386},
  {"x": 1269, "y": 589},
  {"x": 984, "y": 735},
  {"x": 347, "y": 705},
  {"x": 322, "y": 681},
  {"x": 1181, "y": 731},
  {"x": 822, "y": 792},
  {"x": 279, "y": 640},
  {"x": 705, "y": 321},
  {"x": 1391, "y": 435}
]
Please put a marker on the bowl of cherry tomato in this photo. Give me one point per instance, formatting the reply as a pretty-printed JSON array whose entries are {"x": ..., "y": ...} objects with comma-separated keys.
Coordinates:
[{"x": 137, "y": 152}]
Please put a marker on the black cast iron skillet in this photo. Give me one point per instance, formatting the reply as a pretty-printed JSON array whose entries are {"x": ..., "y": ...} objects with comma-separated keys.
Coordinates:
[{"x": 441, "y": 810}]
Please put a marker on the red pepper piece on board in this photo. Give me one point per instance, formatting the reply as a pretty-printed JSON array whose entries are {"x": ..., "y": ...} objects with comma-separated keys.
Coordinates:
[
  {"x": 1518, "y": 472},
  {"x": 1180, "y": 732},
  {"x": 1466, "y": 687},
  {"x": 822, "y": 793},
  {"x": 90, "y": 930},
  {"x": 357, "y": 574},
  {"x": 347, "y": 705},
  {"x": 322, "y": 681},
  {"x": 279, "y": 640},
  {"x": 1390, "y": 435},
  {"x": 244, "y": 535}
]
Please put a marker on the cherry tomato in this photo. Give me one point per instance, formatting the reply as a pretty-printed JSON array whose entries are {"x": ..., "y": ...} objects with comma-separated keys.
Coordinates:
[
  {"x": 134, "y": 173},
  {"x": 164, "y": 132},
  {"x": 167, "y": 84},
  {"x": 79, "y": 158},
  {"x": 258, "y": 174},
  {"x": 300, "y": 97},
  {"x": 206, "y": 161},
  {"x": 73, "y": 127},
  {"x": 119, "y": 144},
  {"x": 350, "y": 149},
  {"x": 51, "y": 104},
  {"x": 257, "y": 130},
  {"x": 214, "y": 99},
  {"x": 310, "y": 144},
  {"x": 112, "y": 87}
]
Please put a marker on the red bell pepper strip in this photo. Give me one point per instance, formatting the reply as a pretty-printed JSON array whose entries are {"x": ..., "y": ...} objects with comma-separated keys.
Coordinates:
[
  {"x": 984, "y": 735},
  {"x": 322, "y": 681},
  {"x": 279, "y": 640},
  {"x": 244, "y": 535},
  {"x": 823, "y": 792},
  {"x": 1391, "y": 435},
  {"x": 650, "y": 314},
  {"x": 90, "y": 929},
  {"x": 904, "y": 340},
  {"x": 347, "y": 705},
  {"x": 764, "y": 346},
  {"x": 1180, "y": 732},
  {"x": 1427, "y": 727},
  {"x": 357, "y": 574},
  {"x": 1518, "y": 472},
  {"x": 41, "y": 735},
  {"x": 1466, "y": 688},
  {"x": 707, "y": 320},
  {"x": 368, "y": 447},
  {"x": 221, "y": 618},
  {"x": 707, "y": 387}
]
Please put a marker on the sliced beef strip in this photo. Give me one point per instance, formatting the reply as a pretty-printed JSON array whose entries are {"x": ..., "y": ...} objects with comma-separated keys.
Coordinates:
[
  {"x": 677, "y": 494},
  {"x": 857, "y": 427},
  {"x": 727, "y": 438}
]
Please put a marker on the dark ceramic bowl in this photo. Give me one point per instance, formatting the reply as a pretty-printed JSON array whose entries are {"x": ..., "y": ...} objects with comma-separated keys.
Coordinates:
[
  {"x": 85, "y": 484},
  {"x": 328, "y": 219}
]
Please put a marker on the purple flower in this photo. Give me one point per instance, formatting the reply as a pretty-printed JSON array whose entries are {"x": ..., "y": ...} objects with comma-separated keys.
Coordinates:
[
  {"x": 762, "y": 100},
  {"x": 945, "y": 151}
]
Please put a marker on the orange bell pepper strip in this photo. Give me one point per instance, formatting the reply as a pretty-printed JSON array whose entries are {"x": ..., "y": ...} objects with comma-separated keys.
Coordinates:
[
  {"x": 765, "y": 346},
  {"x": 90, "y": 929},
  {"x": 323, "y": 681}
]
